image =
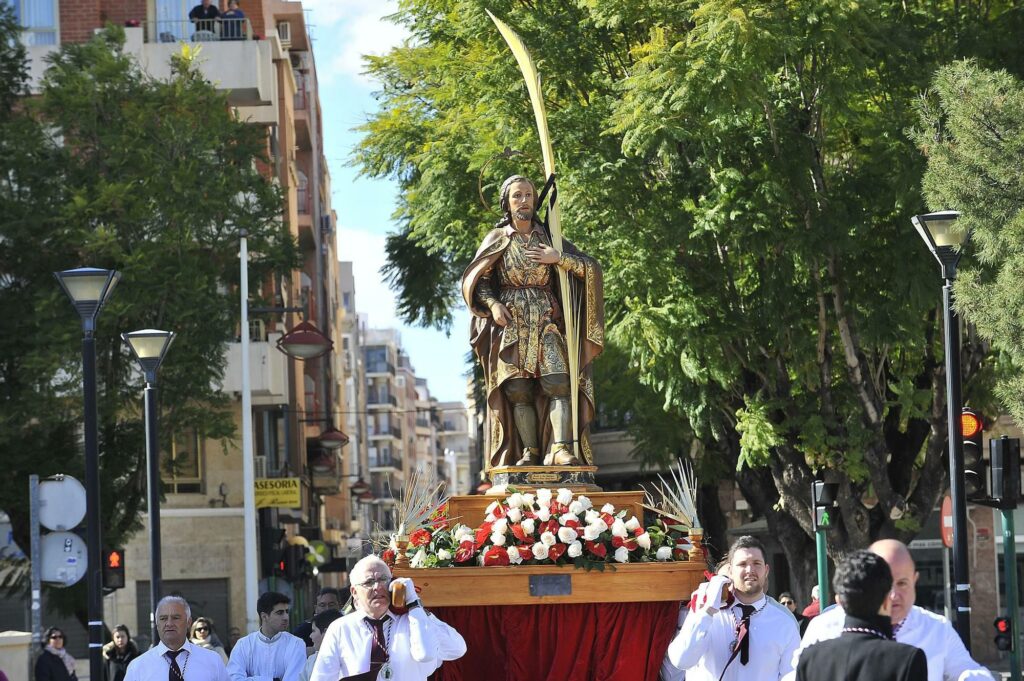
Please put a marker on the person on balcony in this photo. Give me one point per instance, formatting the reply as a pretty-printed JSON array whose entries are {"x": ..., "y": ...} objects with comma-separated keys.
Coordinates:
[
  {"x": 233, "y": 22},
  {"x": 204, "y": 16}
]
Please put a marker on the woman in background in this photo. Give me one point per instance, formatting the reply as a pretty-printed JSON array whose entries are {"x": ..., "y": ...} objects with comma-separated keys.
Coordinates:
[
  {"x": 202, "y": 636},
  {"x": 55, "y": 664},
  {"x": 118, "y": 653}
]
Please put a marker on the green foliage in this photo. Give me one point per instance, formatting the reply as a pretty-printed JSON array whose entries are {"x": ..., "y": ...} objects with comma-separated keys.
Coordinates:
[
  {"x": 972, "y": 129},
  {"x": 110, "y": 168},
  {"x": 744, "y": 175}
]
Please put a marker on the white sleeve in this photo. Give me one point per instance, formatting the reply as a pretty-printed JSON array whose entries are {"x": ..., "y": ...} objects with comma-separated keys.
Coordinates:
[
  {"x": 450, "y": 644},
  {"x": 296, "y": 660},
  {"x": 238, "y": 663},
  {"x": 959, "y": 664},
  {"x": 815, "y": 632},
  {"x": 692, "y": 641},
  {"x": 790, "y": 652},
  {"x": 328, "y": 660}
]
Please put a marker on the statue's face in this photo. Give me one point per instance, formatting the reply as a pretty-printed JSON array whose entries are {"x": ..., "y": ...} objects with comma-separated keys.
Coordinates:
[{"x": 520, "y": 200}]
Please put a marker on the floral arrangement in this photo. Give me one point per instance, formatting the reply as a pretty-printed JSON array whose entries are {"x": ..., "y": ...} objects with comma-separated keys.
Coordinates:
[{"x": 541, "y": 528}]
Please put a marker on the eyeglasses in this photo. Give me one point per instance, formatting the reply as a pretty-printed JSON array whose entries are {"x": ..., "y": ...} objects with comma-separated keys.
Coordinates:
[
  {"x": 374, "y": 583},
  {"x": 202, "y": 629},
  {"x": 55, "y": 636}
]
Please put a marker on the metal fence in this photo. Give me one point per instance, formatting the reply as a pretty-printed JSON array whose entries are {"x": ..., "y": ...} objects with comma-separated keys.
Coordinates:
[{"x": 198, "y": 31}]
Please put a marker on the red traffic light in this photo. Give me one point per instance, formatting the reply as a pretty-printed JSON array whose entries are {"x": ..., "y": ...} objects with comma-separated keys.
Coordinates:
[
  {"x": 114, "y": 560},
  {"x": 970, "y": 423},
  {"x": 1002, "y": 625}
]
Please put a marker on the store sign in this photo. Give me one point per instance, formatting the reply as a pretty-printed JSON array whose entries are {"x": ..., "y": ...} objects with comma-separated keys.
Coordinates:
[{"x": 279, "y": 492}]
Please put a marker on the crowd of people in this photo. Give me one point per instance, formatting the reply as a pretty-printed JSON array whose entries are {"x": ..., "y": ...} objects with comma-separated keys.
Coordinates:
[
  {"x": 730, "y": 629},
  {"x": 208, "y": 18}
]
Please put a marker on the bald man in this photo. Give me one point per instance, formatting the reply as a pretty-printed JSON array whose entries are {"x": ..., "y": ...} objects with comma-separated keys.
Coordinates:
[{"x": 948, "y": 659}]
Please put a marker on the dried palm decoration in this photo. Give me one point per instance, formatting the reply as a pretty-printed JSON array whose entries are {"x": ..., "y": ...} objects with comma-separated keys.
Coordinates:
[{"x": 678, "y": 496}]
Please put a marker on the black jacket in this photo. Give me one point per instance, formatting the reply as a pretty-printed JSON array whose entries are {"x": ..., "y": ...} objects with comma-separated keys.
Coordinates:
[
  {"x": 115, "y": 664},
  {"x": 49, "y": 667},
  {"x": 859, "y": 656}
]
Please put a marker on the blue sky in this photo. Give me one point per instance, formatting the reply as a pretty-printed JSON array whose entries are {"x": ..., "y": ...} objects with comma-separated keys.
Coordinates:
[{"x": 343, "y": 31}]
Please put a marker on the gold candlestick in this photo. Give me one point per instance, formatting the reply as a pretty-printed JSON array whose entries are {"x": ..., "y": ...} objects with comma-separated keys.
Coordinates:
[
  {"x": 401, "y": 544},
  {"x": 696, "y": 554}
]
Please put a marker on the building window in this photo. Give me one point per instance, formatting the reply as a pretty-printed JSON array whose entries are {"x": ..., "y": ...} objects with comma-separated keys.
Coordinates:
[
  {"x": 38, "y": 19},
  {"x": 182, "y": 467}
]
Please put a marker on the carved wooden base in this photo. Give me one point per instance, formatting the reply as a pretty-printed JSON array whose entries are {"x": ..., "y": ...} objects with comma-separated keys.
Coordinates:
[
  {"x": 536, "y": 584},
  {"x": 528, "y": 478}
]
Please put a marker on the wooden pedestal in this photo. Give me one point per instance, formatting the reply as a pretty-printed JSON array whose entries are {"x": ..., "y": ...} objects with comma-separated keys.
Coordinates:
[
  {"x": 471, "y": 509},
  {"x": 631, "y": 582}
]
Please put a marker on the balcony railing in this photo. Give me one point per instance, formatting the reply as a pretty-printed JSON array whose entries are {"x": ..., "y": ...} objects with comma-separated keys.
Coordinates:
[
  {"x": 380, "y": 368},
  {"x": 302, "y": 201},
  {"x": 382, "y": 399},
  {"x": 199, "y": 31},
  {"x": 385, "y": 462}
]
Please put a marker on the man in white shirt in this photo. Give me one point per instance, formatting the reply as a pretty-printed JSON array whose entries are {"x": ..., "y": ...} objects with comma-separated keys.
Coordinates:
[
  {"x": 270, "y": 653},
  {"x": 175, "y": 658},
  {"x": 374, "y": 642},
  {"x": 948, "y": 659},
  {"x": 750, "y": 636}
]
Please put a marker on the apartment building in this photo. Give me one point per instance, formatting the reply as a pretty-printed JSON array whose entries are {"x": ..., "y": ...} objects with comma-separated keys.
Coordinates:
[{"x": 300, "y": 393}]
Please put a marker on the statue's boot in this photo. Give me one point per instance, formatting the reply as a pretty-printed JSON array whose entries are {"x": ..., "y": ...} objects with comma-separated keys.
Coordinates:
[
  {"x": 526, "y": 424},
  {"x": 560, "y": 413}
]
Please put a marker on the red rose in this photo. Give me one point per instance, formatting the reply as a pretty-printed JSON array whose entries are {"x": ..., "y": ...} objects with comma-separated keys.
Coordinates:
[
  {"x": 496, "y": 556},
  {"x": 526, "y": 552},
  {"x": 557, "y": 508},
  {"x": 500, "y": 511},
  {"x": 519, "y": 533},
  {"x": 388, "y": 556},
  {"x": 482, "y": 533},
  {"x": 555, "y": 552},
  {"x": 574, "y": 524},
  {"x": 608, "y": 519},
  {"x": 420, "y": 537},
  {"x": 598, "y": 550},
  {"x": 638, "y": 531},
  {"x": 550, "y": 526},
  {"x": 464, "y": 552}
]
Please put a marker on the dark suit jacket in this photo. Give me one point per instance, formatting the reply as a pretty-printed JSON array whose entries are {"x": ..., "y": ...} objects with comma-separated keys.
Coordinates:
[{"x": 856, "y": 656}]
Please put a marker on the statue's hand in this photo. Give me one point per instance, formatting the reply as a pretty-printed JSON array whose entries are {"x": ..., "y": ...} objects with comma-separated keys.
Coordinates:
[
  {"x": 543, "y": 254},
  {"x": 500, "y": 314}
]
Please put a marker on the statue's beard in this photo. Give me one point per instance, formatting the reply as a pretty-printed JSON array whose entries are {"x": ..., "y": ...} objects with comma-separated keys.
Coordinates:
[{"x": 523, "y": 215}]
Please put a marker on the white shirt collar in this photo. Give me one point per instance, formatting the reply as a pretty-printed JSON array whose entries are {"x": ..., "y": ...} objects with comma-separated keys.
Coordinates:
[{"x": 758, "y": 604}]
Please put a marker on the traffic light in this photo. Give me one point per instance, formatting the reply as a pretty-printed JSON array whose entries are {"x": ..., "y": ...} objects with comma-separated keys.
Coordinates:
[
  {"x": 113, "y": 569},
  {"x": 972, "y": 433},
  {"x": 1004, "y": 633},
  {"x": 1004, "y": 456},
  {"x": 270, "y": 550},
  {"x": 293, "y": 562},
  {"x": 823, "y": 496}
]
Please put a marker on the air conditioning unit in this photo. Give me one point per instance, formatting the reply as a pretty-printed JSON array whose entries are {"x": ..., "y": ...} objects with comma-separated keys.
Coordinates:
[
  {"x": 261, "y": 466},
  {"x": 284, "y": 33}
]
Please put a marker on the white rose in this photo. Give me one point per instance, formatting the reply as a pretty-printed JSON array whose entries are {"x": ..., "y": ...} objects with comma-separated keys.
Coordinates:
[
  {"x": 544, "y": 514},
  {"x": 632, "y": 524},
  {"x": 540, "y": 551},
  {"x": 566, "y": 517},
  {"x": 564, "y": 496},
  {"x": 619, "y": 528},
  {"x": 513, "y": 555},
  {"x": 607, "y": 508},
  {"x": 544, "y": 497},
  {"x": 462, "y": 533},
  {"x": 500, "y": 525},
  {"x": 644, "y": 540},
  {"x": 548, "y": 538},
  {"x": 664, "y": 553},
  {"x": 575, "y": 550},
  {"x": 419, "y": 560},
  {"x": 489, "y": 518},
  {"x": 591, "y": 515},
  {"x": 444, "y": 554},
  {"x": 498, "y": 538},
  {"x": 528, "y": 499},
  {"x": 514, "y": 501},
  {"x": 515, "y": 515},
  {"x": 622, "y": 554},
  {"x": 591, "y": 532},
  {"x": 600, "y": 525},
  {"x": 576, "y": 508},
  {"x": 587, "y": 504},
  {"x": 567, "y": 535},
  {"x": 529, "y": 526}
]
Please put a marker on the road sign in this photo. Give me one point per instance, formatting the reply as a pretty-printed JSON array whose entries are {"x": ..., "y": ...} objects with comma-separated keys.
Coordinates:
[
  {"x": 63, "y": 558},
  {"x": 280, "y": 492},
  {"x": 947, "y": 522},
  {"x": 61, "y": 503}
]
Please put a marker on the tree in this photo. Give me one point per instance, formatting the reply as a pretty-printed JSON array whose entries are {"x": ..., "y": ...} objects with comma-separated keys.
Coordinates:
[
  {"x": 973, "y": 134},
  {"x": 742, "y": 172},
  {"x": 111, "y": 168}
]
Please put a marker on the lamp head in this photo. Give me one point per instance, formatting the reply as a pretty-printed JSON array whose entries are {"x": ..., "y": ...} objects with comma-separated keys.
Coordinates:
[
  {"x": 88, "y": 289},
  {"x": 939, "y": 233},
  {"x": 149, "y": 347}
]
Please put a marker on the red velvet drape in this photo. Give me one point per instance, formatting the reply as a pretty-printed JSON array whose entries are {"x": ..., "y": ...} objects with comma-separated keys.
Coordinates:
[{"x": 571, "y": 642}]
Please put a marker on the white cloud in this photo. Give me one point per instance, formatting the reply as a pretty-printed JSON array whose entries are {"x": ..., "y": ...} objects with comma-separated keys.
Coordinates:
[{"x": 346, "y": 30}]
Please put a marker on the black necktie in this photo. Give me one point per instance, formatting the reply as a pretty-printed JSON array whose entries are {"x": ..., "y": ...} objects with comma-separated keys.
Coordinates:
[
  {"x": 174, "y": 673},
  {"x": 378, "y": 649},
  {"x": 743, "y": 633}
]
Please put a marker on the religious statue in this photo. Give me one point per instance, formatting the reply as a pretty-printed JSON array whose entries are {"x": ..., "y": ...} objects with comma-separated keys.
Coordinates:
[{"x": 519, "y": 335}]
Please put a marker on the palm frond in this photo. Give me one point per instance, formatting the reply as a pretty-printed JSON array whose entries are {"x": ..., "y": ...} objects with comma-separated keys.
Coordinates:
[
  {"x": 678, "y": 496},
  {"x": 421, "y": 498}
]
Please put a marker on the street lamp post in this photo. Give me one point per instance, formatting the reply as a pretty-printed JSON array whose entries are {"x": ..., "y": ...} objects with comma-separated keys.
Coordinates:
[
  {"x": 88, "y": 288},
  {"x": 945, "y": 242},
  {"x": 149, "y": 347}
]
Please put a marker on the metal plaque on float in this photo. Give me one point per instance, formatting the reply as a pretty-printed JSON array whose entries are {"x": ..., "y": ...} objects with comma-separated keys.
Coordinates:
[
  {"x": 63, "y": 558},
  {"x": 61, "y": 503}
]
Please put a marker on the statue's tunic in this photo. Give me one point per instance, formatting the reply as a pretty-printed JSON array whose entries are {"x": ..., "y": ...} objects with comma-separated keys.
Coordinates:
[{"x": 533, "y": 343}]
